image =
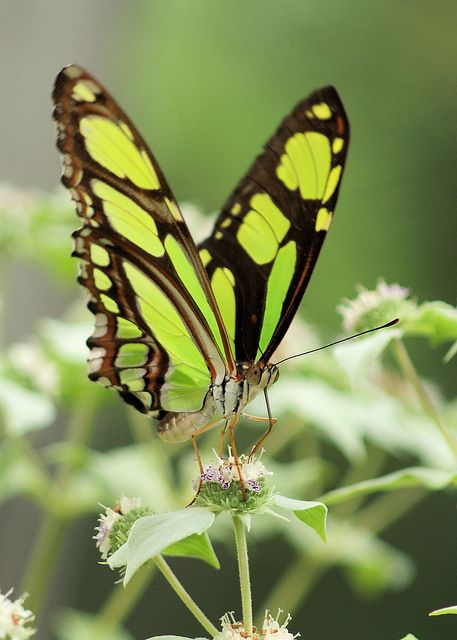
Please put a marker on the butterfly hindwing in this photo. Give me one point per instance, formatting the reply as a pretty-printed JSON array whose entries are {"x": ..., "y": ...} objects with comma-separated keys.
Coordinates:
[
  {"x": 159, "y": 338},
  {"x": 267, "y": 238}
]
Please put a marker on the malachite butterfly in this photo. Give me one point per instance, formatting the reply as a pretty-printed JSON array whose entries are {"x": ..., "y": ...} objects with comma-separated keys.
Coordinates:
[{"x": 187, "y": 333}]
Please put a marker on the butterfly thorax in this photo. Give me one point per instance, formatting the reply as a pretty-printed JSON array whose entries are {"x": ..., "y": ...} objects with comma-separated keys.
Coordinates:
[{"x": 221, "y": 401}]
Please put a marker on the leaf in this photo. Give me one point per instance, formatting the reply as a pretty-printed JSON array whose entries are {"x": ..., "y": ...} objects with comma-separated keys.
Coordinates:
[
  {"x": 356, "y": 357},
  {"x": 24, "y": 410},
  {"x": 434, "y": 320},
  {"x": 314, "y": 514},
  {"x": 409, "y": 637},
  {"x": 173, "y": 638},
  {"x": 445, "y": 610},
  {"x": 433, "y": 479},
  {"x": 19, "y": 475},
  {"x": 195, "y": 546},
  {"x": 76, "y": 625},
  {"x": 150, "y": 535}
]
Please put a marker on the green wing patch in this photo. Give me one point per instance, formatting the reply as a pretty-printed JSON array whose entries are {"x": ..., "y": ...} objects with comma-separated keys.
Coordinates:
[
  {"x": 159, "y": 337},
  {"x": 272, "y": 227}
]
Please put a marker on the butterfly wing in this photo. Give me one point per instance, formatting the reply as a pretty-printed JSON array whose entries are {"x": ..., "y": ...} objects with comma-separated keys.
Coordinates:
[
  {"x": 266, "y": 240},
  {"x": 159, "y": 337}
]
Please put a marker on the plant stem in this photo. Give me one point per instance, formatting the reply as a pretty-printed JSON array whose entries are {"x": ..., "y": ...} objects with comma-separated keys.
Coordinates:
[
  {"x": 243, "y": 569},
  {"x": 41, "y": 564},
  {"x": 55, "y": 518},
  {"x": 410, "y": 373},
  {"x": 120, "y": 603},
  {"x": 181, "y": 592}
]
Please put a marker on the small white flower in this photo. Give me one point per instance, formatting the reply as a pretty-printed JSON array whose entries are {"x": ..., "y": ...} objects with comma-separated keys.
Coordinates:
[
  {"x": 225, "y": 471},
  {"x": 374, "y": 307},
  {"x": 106, "y": 522},
  {"x": 271, "y": 629},
  {"x": 125, "y": 505},
  {"x": 14, "y": 618}
]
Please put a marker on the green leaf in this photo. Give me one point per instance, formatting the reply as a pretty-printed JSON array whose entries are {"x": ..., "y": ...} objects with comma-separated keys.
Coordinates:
[
  {"x": 409, "y": 637},
  {"x": 433, "y": 479},
  {"x": 356, "y": 357},
  {"x": 173, "y": 638},
  {"x": 24, "y": 410},
  {"x": 151, "y": 535},
  {"x": 314, "y": 514},
  {"x": 445, "y": 610},
  {"x": 195, "y": 546},
  {"x": 76, "y": 625},
  {"x": 19, "y": 475},
  {"x": 434, "y": 320}
]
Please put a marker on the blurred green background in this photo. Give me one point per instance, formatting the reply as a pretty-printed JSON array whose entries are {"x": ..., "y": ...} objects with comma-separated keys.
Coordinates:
[{"x": 207, "y": 82}]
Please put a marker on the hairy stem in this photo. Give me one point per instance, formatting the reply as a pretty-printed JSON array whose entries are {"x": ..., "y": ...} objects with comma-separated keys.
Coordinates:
[
  {"x": 410, "y": 373},
  {"x": 243, "y": 569},
  {"x": 182, "y": 594},
  {"x": 55, "y": 519}
]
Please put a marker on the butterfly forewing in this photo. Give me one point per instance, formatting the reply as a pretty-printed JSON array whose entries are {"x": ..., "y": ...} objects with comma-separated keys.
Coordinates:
[
  {"x": 159, "y": 338},
  {"x": 267, "y": 238}
]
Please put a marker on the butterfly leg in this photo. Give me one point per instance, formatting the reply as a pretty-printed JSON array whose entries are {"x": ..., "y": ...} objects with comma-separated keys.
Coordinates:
[
  {"x": 271, "y": 422},
  {"x": 193, "y": 438},
  {"x": 231, "y": 427},
  {"x": 221, "y": 440},
  {"x": 249, "y": 416}
]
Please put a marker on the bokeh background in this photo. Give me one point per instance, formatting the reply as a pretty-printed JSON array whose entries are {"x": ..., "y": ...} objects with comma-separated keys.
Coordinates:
[{"x": 207, "y": 82}]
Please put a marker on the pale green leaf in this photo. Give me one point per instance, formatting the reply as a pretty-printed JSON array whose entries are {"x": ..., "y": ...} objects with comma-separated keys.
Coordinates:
[
  {"x": 356, "y": 357},
  {"x": 24, "y": 410},
  {"x": 76, "y": 625},
  {"x": 194, "y": 546},
  {"x": 433, "y": 479},
  {"x": 445, "y": 610},
  {"x": 314, "y": 514},
  {"x": 173, "y": 638},
  {"x": 434, "y": 320},
  {"x": 151, "y": 535}
]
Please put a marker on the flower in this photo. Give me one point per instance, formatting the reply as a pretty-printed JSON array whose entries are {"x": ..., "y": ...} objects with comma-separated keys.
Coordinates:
[
  {"x": 233, "y": 630},
  {"x": 220, "y": 486},
  {"x": 115, "y": 524},
  {"x": 14, "y": 618},
  {"x": 376, "y": 307}
]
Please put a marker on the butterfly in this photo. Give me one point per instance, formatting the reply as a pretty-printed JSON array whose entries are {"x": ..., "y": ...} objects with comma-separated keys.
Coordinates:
[{"x": 187, "y": 333}]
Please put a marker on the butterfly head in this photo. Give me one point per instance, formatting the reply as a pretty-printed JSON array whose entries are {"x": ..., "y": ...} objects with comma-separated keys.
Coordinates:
[{"x": 259, "y": 374}]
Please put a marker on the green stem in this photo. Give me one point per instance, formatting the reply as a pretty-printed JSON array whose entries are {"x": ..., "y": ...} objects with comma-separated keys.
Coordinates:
[
  {"x": 410, "y": 373},
  {"x": 120, "y": 603},
  {"x": 243, "y": 569},
  {"x": 43, "y": 558},
  {"x": 181, "y": 592},
  {"x": 55, "y": 519}
]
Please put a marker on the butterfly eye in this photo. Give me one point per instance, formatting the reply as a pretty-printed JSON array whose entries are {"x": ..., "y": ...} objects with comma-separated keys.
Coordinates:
[{"x": 253, "y": 375}]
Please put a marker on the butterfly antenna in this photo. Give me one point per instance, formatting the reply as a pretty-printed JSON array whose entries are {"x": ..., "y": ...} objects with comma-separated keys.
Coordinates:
[{"x": 331, "y": 344}]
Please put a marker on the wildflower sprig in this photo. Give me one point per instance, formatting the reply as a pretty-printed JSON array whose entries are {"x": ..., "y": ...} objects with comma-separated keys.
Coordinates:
[
  {"x": 270, "y": 628},
  {"x": 14, "y": 618},
  {"x": 115, "y": 524},
  {"x": 221, "y": 486}
]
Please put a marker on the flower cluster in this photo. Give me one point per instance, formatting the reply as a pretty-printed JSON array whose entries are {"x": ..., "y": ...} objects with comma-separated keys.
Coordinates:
[
  {"x": 114, "y": 525},
  {"x": 234, "y": 484},
  {"x": 373, "y": 308},
  {"x": 271, "y": 629},
  {"x": 14, "y": 619}
]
